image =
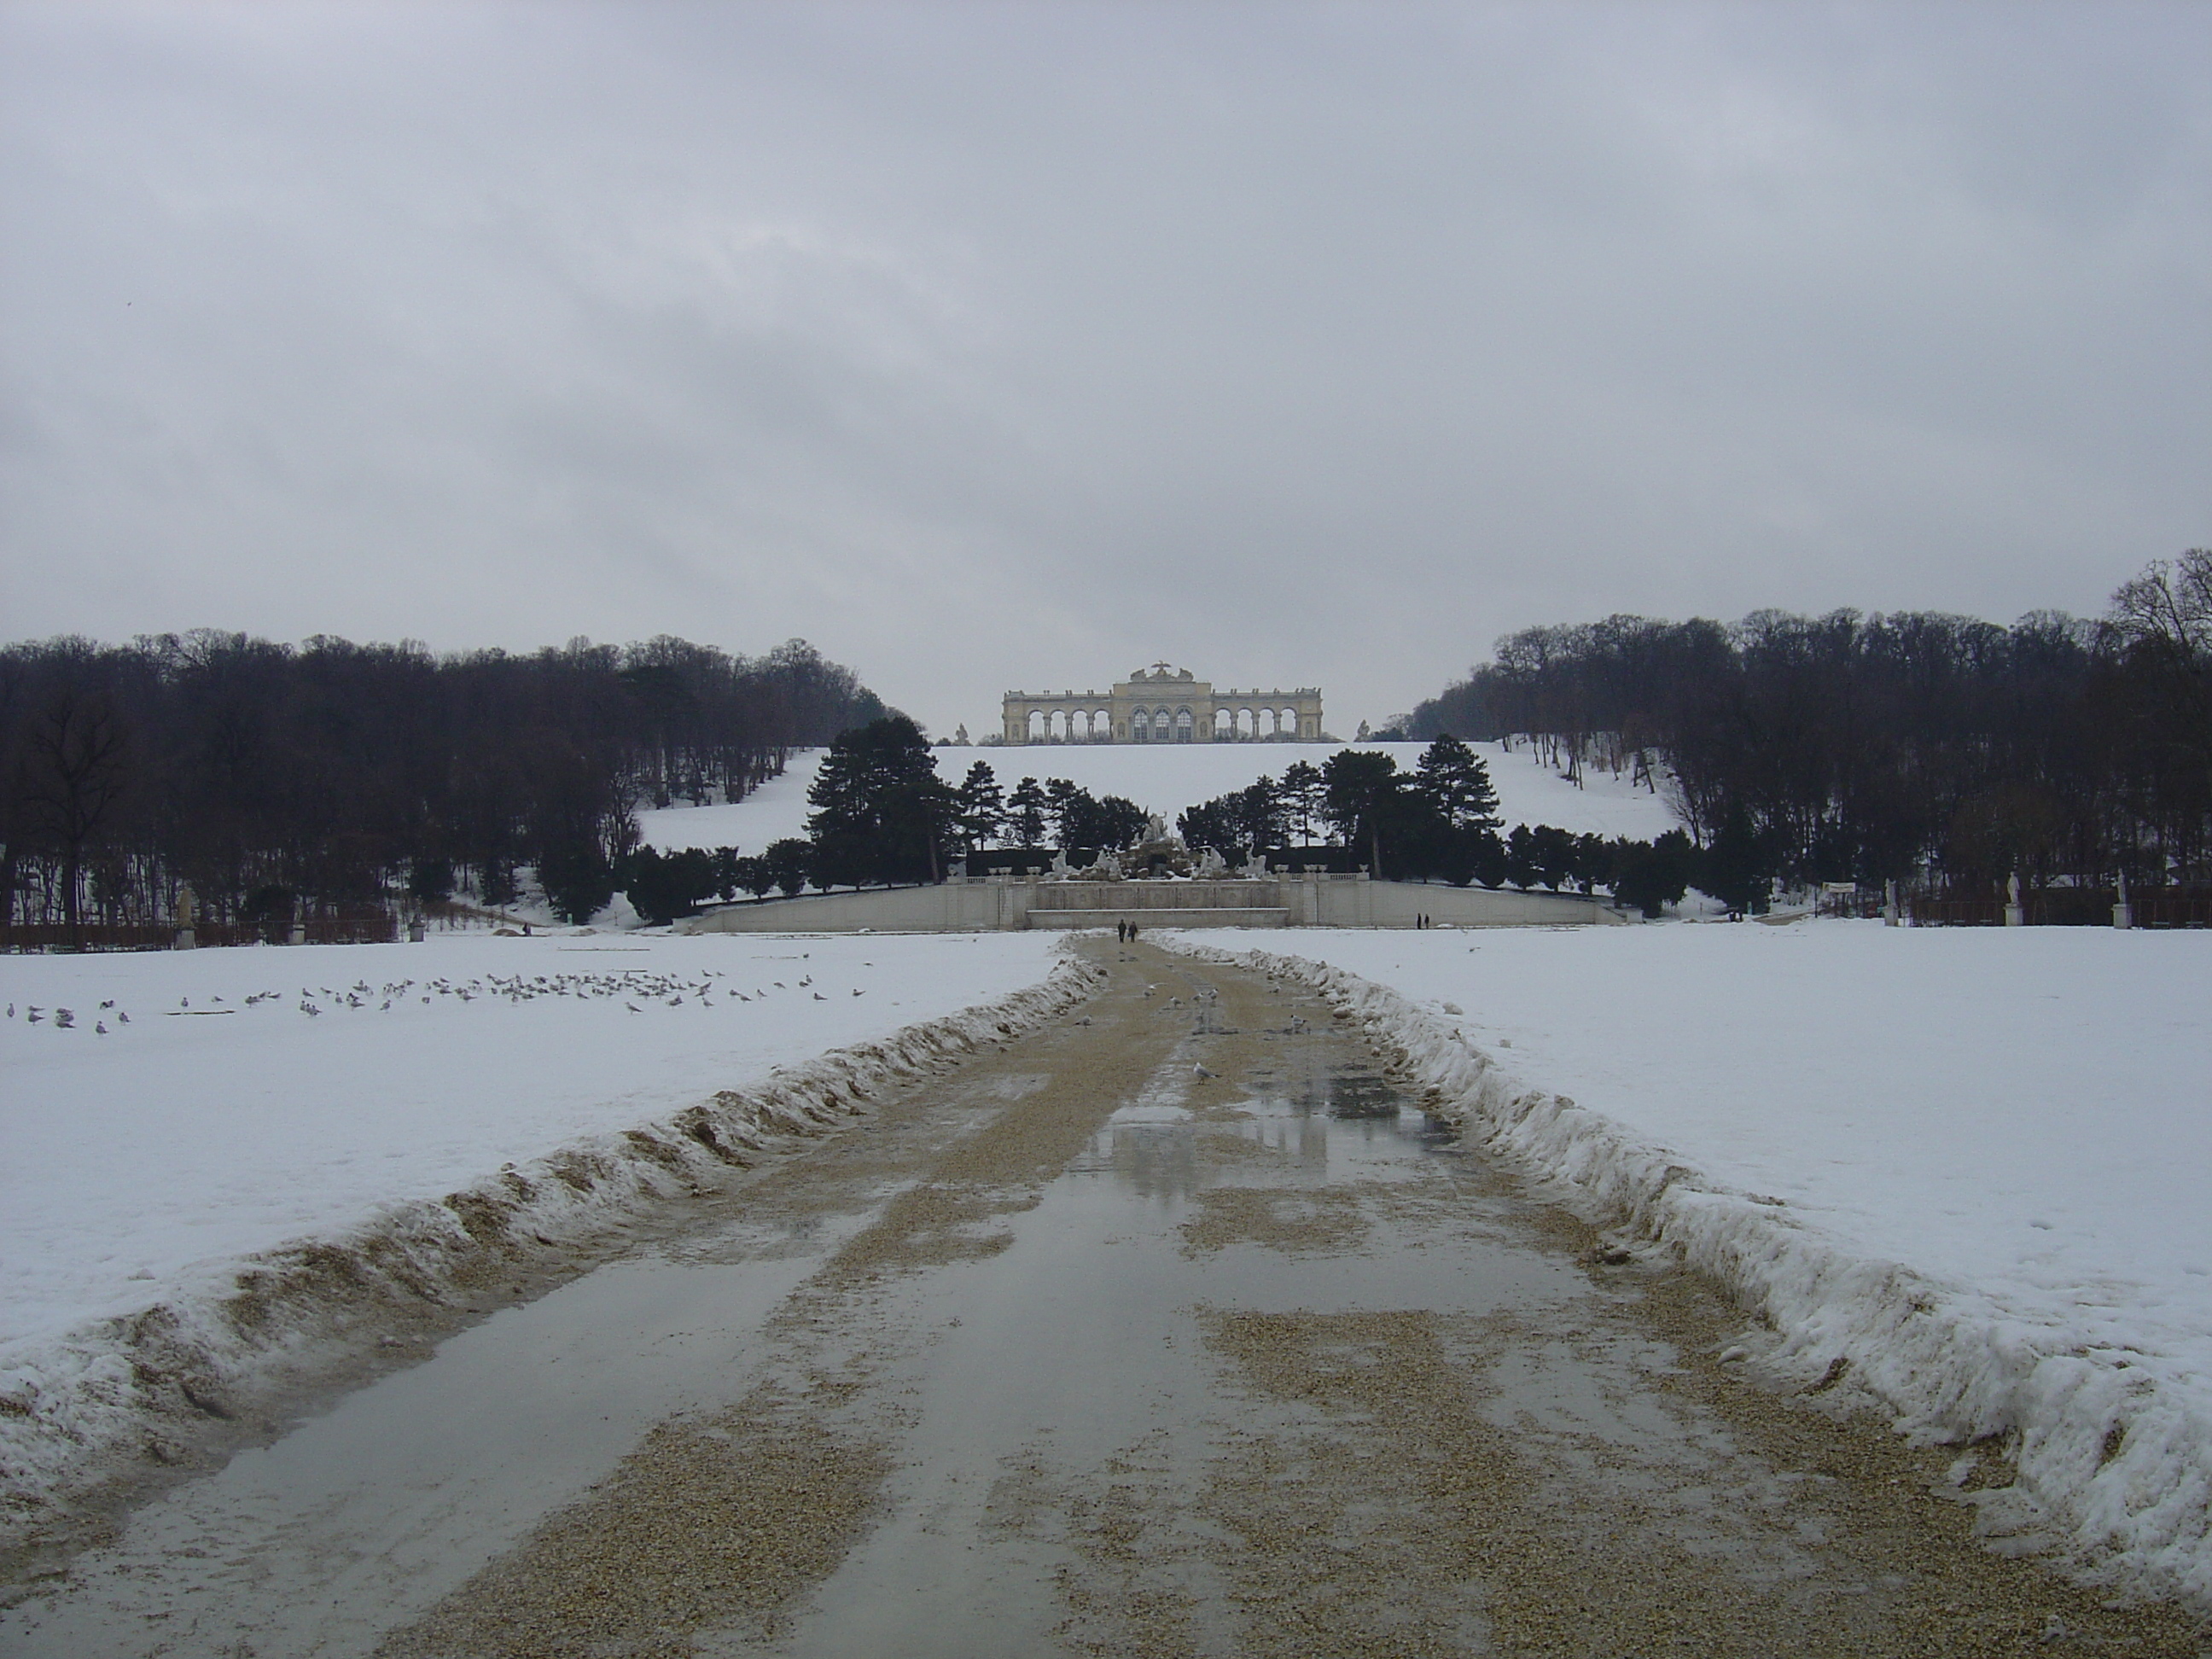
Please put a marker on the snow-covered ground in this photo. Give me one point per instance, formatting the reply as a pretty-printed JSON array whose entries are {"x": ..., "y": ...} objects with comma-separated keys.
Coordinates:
[
  {"x": 1169, "y": 777},
  {"x": 142, "y": 1164},
  {"x": 2021, "y": 1120}
]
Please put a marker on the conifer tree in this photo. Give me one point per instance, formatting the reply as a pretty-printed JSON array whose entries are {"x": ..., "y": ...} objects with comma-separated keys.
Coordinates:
[
  {"x": 983, "y": 807},
  {"x": 787, "y": 865},
  {"x": 1363, "y": 787},
  {"x": 1087, "y": 821},
  {"x": 881, "y": 813},
  {"x": 1457, "y": 781},
  {"x": 1059, "y": 803},
  {"x": 1302, "y": 794},
  {"x": 1026, "y": 810}
]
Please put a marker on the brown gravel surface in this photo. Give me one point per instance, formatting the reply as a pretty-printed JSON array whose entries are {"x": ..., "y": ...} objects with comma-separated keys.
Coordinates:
[{"x": 1173, "y": 1329}]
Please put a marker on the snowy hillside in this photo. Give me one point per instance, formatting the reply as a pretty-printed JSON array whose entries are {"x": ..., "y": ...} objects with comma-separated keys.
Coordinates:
[
  {"x": 1168, "y": 778},
  {"x": 2020, "y": 1120}
]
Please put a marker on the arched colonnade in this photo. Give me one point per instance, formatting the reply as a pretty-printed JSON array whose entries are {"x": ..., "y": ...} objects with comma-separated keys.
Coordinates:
[
  {"x": 1163, "y": 704},
  {"x": 1071, "y": 725}
]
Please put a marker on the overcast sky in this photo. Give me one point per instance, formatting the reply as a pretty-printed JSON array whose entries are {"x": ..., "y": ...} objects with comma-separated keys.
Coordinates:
[{"x": 1019, "y": 345}]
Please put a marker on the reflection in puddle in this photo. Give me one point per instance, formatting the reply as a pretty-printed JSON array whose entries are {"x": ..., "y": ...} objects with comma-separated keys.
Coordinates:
[
  {"x": 1356, "y": 1095},
  {"x": 1151, "y": 1160},
  {"x": 1081, "y": 1392},
  {"x": 1313, "y": 1121}
]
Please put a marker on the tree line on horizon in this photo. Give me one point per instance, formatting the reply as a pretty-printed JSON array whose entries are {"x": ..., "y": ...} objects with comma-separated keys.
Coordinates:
[
  {"x": 1937, "y": 750},
  {"x": 882, "y": 816},
  {"x": 277, "y": 780}
]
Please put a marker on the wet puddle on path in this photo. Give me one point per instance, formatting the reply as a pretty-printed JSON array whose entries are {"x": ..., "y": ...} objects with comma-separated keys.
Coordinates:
[
  {"x": 1176, "y": 1329},
  {"x": 1078, "y": 1370},
  {"x": 403, "y": 1488}
]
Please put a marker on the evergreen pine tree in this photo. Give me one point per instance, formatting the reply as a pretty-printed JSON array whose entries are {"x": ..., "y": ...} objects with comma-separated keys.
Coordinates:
[
  {"x": 788, "y": 864},
  {"x": 1303, "y": 794},
  {"x": 1362, "y": 789},
  {"x": 1457, "y": 781},
  {"x": 881, "y": 813},
  {"x": 1025, "y": 814},
  {"x": 1061, "y": 805},
  {"x": 1258, "y": 815},
  {"x": 983, "y": 807}
]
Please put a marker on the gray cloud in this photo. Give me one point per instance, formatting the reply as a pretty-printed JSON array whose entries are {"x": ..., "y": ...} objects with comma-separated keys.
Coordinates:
[{"x": 995, "y": 344}]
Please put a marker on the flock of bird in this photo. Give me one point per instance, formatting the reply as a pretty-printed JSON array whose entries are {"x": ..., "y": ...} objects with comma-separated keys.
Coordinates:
[
  {"x": 65, "y": 1019},
  {"x": 706, "y": 989}
]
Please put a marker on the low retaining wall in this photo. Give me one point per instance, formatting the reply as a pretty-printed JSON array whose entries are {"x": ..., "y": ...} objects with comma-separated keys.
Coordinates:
[
  {"x": 1243, "y": 916},
  {"x": 998, "y": 904}
]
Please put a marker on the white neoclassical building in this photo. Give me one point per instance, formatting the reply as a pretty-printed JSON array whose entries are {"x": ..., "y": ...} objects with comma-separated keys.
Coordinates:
[{"x": 1163, "y": 704}]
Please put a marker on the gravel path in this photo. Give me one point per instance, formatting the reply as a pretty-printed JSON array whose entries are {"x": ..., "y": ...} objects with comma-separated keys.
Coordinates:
[{"x": 1176, "y": 1329}]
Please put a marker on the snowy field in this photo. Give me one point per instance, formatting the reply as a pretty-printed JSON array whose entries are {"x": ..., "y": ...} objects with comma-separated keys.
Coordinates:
[
  {"x": 1167, "y": 778},
  {"x": 2020, "y": 1119},
  {"x": 219, "y": 1118}
]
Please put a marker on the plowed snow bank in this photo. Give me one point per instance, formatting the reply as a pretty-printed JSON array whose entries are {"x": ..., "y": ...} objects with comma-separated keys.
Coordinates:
[
  {"x": 1927, "y": 1102},
  {"x": 84, "y": 1400}
]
